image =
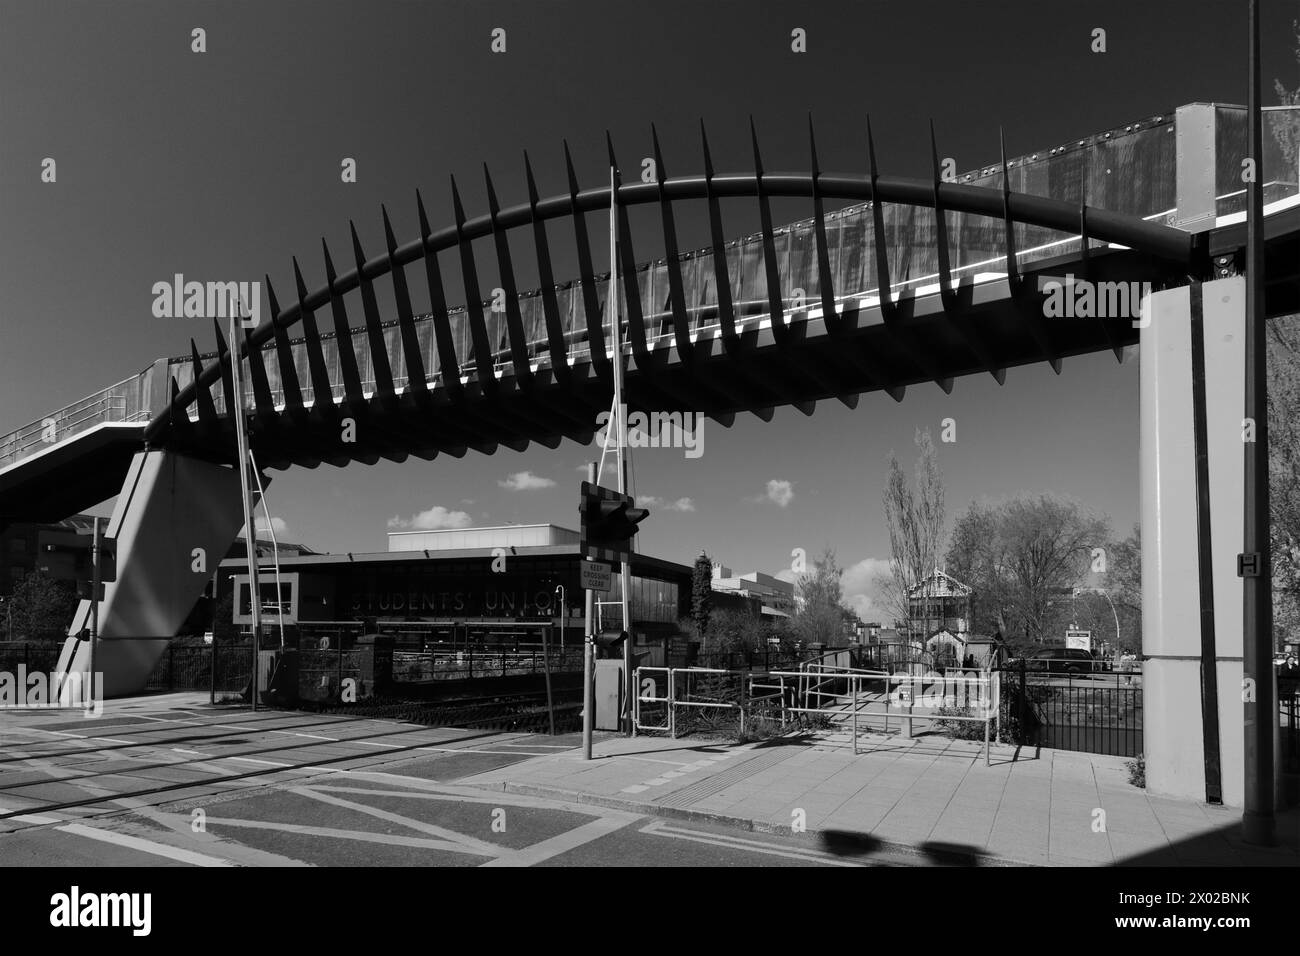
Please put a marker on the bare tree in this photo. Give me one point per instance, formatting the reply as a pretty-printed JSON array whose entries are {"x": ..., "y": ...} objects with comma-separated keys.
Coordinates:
[
  {"x": 821, "y": 614},
  {"x": 1022, "y": 553},
  {"x": 914, "y": 515}
]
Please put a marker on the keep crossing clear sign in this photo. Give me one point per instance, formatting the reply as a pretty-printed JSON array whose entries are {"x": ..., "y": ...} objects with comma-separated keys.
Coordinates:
[{"x": 594, "y": 575}]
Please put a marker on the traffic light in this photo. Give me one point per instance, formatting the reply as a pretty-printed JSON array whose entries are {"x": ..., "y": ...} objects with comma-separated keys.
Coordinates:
[
  {"x": 609, "y": 644},
  {"x": 63, "y": 555},
  {"x": 609, "y": 522},
  {"x": 107, "y": 560},
  {"x": 68, "y": 556}
]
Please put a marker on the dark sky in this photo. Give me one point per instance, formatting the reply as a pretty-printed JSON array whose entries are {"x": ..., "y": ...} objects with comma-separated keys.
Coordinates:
[{"x": 225, "y": 164}]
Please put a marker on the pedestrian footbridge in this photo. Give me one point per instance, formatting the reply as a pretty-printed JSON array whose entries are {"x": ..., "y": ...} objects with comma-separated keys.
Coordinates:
[{"x": 889, "y": 282}]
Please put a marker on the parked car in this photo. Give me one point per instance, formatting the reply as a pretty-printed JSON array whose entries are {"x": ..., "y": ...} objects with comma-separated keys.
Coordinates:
[{"x": 1060, "y": 660}]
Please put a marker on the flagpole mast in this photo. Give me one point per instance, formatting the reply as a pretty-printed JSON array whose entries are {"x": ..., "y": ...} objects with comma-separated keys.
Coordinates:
[
  {"x": 1260, "y": 709},
  {"x": 620, "y": 407},
  {"x": 250, "y": 533}
]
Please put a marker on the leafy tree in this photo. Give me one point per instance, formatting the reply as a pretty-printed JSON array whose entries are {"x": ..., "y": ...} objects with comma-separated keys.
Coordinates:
[
  {"x": 702, "y": 593},
  {"x": 1286, "y": 128},
  {"x": 915, "y": 518},
  {"x": 224, "y": 628},
  {"x": 38, "y": 608},
  {"x": 1284, "y": 467},
  {"x": 735, "y": 631},
  {"x": 1021, "y": 555},
  {"x": 821, "y": 613}
]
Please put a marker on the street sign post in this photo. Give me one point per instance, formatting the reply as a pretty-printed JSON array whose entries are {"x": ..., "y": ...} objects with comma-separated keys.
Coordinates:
[
  {"x": 594, "y": 575},
  {"x": 1078, "y": 639}
]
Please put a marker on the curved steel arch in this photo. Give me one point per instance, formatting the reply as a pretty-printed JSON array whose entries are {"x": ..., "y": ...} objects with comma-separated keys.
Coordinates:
[{"x": 1161, "y": 242}]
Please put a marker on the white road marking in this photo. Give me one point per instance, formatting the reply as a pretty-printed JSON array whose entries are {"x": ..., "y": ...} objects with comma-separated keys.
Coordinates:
[
  {"x": 659, "y": 828},
  {"x": 144, "y": 846},
  {"x": 473, "y": 750},
  {"x": 32, "y": 818},
  {"x": 290, "y": 733},
  {"x": 564, "y": 842},
  {"x": 192, "y": 753},
  {"x": 374, "y": 743},
  {"x": 471, "y": 844},
  {"x": 362, "y": 835},
  {"x": 268, "y": 763},
  {"x": 112, "y": 740}
]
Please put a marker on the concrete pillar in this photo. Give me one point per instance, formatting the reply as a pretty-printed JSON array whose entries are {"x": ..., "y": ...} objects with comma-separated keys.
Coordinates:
[
  {"x": 173, "y": 522},
  {"x": 1171, "y": 542}
]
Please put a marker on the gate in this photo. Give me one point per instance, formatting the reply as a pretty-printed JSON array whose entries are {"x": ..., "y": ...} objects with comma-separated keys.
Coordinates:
[{"x": 1091, "y": 713}]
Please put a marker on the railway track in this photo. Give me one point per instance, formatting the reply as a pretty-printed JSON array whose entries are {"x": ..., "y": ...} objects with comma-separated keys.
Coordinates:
[{"x": 212, "y": 741}]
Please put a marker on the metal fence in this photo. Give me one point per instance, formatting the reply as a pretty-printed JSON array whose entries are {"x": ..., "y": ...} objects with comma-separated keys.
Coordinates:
[
  {"x": 1288, "y": 705},
  {"x": 694, "y": 700},
  {"x": 222, "y": 667},
  {"x": 414, "y": 667},
  {"x": 1093, "y": 713},
  {"x": 32, "y": 656}
]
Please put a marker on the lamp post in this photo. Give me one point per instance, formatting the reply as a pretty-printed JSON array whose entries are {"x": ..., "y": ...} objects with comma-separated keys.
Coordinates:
[
  {"x": 1106, "y": 594},
  {"x": 564, "y": 612},
  {"x": 1253, "y": 564}
]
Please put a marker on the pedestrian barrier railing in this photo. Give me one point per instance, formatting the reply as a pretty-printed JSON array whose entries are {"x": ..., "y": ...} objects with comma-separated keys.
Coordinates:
[
  {"x": 706, "y": 690},
  {"x": 840, "y": 695}
]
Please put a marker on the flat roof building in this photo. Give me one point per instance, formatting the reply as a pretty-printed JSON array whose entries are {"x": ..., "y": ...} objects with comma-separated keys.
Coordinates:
[
  {"x": 775, "y": 596},
  {"x": 463, "y": 585}
]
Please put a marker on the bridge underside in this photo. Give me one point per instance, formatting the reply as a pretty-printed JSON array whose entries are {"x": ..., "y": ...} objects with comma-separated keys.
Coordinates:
[
  {"x": 69, "y": 477},
  {"x": 933, "y": 338}
]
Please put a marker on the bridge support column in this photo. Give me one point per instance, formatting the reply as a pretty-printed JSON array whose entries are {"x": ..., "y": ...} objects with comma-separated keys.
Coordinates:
[
  {"x": 1192, "y": 387},
  {"x": 173, "y": 522}
]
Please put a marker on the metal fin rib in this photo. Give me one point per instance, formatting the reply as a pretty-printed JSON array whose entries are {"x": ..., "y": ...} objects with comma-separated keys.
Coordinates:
[
  {"x": 374, "y": 325},
  {"x": 824, "y": 281},
  {"x": 473, "y": 303},
  {"x": 321, "y": 387},
  {"x": 223, "y": 357},
  {"x": 416, "y": 380},
  {"x": 587, "y": 279},
  {"x": 775, "y": 304},
  {"x": 676, "y": 288},
  {"x": 555, "y": 341},
  {"x": 343, "y": 336},
  {"x": 207, "y": 408},
  {"x": 448, "y": 362},
  {"x": 632, "y": 313},
  {"x": 284, "y": 356},
  {"x": 726, "y": 310},
  {"x": 505, "y": 269}
]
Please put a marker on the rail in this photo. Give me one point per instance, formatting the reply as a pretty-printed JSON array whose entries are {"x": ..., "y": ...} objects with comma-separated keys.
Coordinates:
[{"x": 859, "y": 697}]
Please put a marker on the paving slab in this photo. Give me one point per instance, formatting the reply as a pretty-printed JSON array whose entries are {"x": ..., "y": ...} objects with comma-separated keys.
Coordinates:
[{"x": 1035, "y": 807}]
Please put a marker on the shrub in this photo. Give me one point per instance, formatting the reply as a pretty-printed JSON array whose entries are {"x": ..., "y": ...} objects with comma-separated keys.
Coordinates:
[
  {"x": 1137, "y": 771},
  {"x": 1011, "y": 730}
]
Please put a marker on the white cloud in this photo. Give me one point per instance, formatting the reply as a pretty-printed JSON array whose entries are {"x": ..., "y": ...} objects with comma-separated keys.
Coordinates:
[
  {"x": 861, "y": 588},
  {"x": 526, "y": 481},
  {"x": 431, "y": 520},
  {"x": 278, "y": 525},
  {"x": 650, "y": 501},
  {"x": 779, "y": 492}
]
